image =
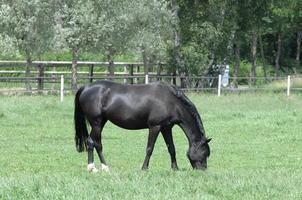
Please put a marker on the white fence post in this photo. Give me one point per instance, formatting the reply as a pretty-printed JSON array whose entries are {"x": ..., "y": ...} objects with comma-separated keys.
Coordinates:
[
  {"x": 125, "y": 72},
  {"x": 219, "y": 85},
  {"x": 288, "y": 85},
  {"x": 62, "y": 88},
  {"x": 146, "y": 79}
]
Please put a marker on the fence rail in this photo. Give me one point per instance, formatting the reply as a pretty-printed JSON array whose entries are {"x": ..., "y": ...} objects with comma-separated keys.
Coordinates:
[
  {"x": 9, "y": 85},
  {"x": 15, "y": 80},
  {"x": 5, "y": 63}
]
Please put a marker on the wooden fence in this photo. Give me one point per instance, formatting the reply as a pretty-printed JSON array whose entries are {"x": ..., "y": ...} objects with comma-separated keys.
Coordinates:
[
  {"x": 44, "y": 75},
  {"x": 47, "y": 76}
]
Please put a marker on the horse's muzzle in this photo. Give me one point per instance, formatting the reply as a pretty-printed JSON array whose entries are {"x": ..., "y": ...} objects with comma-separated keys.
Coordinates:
[{"x": 200, "y": 166}]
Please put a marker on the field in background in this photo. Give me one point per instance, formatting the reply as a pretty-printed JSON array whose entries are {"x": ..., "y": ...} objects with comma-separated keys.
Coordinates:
[{"x": 256, "y": 153}]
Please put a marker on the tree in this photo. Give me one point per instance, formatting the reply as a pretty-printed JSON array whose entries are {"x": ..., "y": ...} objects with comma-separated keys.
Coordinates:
[
  {"x": 280, "y": 15},
  {"x": 196, "y": 37},
  {"x": 152, "y": 30},
  {"x": 113, "y": 28},
  {"x": 205, "y": 35},
  {"x": 253, "y": 12},
  {"x": 296, "y": 20},
  {"x": 30, "y": 25},
  {"x": 78, "y": 20}
]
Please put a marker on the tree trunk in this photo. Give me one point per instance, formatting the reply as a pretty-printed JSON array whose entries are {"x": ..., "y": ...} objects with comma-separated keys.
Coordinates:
[
  {"x": 254, "y": 58},
  {"x": 110, "y": 66},
  {"x": 74, "y": 69},
  {"x": 159, "y": 69},
  {"x": 277, "y": 59},
  {"x": 174, "y": 77},
  {"x": 41, "y": 78},
  {"x": 263, "y": 57},
  {"x": 237, "y": 64},
  {"x": 180, "y": 65},
  {"x": 27, "y": 74},
  {"x": 299, "y": 39},
  {"x": 145, "y": 61}
]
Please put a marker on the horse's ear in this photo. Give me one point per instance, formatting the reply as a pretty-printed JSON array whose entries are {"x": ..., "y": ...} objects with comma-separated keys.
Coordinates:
[{"x": 208, "y": 140}]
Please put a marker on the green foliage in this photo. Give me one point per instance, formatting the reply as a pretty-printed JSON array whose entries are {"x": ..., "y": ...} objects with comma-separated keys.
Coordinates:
[
  {"x": 196, "y": 52},
  {"x": 244, "y": 71},
  {"x": 200, "y": 33},
  {"x": 8, "y": 49},
  {"x": 113, "y": 26},
  {"x": 114, "y": 29},
  {"x": 78, "y": 26},
  {"x": 29, "y": 24},
  {"x": 152, "y": 30}
]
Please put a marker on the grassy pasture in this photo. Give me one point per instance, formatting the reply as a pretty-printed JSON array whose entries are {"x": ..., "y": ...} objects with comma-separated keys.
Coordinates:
[{"x": 256, "y": 153}]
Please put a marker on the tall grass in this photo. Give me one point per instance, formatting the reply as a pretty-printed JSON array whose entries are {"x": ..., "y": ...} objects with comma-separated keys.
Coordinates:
[{"x": 256, "y": 153}]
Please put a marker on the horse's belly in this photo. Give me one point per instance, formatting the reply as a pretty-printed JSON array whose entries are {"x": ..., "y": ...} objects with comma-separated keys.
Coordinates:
[
  {"x": 130, "y": 123},
  {"x": 134, "y": 115},
  {"x": 128, "y": 119}
]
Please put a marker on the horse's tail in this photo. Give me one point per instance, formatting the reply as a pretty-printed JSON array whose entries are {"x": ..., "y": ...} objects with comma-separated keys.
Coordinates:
[{"x": 81, "y": 133}]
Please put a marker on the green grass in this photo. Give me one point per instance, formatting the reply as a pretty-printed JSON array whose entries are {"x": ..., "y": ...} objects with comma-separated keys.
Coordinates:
[{"x": 256, "y": 153}]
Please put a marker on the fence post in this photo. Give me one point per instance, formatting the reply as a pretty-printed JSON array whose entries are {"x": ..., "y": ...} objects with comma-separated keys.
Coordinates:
[
  {"x": 41, "y": 78},
  {"x": 146, "y": 79},
  {"x": 219, "y": 85},
  {"x": 125, "y": 74},
  {"x": 174, "y": 77},
  {"x": 159, "y": 68},
  {"x": 137, "y": 74},
  {"x": 131, "y": 73},
  {"x": 53, "y": 79},
  {"x": 90, "y": 75},
  {"x": 288, "y": 85},
  {"x": 62, "y": 88}
]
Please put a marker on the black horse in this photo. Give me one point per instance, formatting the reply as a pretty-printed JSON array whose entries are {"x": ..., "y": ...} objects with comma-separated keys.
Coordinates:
[{"x": 156, "y": 106}]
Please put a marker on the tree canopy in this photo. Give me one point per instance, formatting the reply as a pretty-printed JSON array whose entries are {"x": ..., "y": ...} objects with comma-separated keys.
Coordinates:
[{"x": 258, "y": 37}]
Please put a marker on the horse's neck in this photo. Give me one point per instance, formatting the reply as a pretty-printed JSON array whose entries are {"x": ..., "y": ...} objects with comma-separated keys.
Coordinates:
[{"x": 191, "y": 129}]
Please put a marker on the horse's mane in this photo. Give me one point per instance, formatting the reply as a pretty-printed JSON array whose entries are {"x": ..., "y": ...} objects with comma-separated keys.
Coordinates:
[{"x": 188, "y": 103}]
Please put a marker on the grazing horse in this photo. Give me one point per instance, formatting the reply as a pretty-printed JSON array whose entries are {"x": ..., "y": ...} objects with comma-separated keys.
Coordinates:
[{"x": 156, "y": 106}]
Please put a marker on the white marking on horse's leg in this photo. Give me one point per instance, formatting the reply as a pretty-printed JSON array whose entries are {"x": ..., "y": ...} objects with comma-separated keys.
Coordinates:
[
  {"x": 91, "y": 168},
  {"x": 104, "y": 167}
]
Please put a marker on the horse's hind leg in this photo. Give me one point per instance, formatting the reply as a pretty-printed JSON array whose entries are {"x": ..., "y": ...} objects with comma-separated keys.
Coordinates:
[
  {"x": 90, "y": 145},
  {"x": 167, "y": 134},
  {"x": 95, "y": 135}
]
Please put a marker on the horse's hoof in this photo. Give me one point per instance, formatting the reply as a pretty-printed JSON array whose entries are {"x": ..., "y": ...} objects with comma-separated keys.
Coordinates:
[
  {"x": 94, "y": 170},
  {"x": 91, "y": 168},
  {"x": 175, "y": 168},
  {"x": 104, "y": 168}
]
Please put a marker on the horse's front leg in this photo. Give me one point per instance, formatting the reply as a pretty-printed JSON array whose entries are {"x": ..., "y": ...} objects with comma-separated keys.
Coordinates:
[
  {"x": 167, "y": 134},
  {"x": 153, "y": 134}
]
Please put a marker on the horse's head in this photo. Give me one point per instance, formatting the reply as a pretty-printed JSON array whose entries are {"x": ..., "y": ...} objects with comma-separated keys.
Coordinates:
[{"x": 198, "y": 154}]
